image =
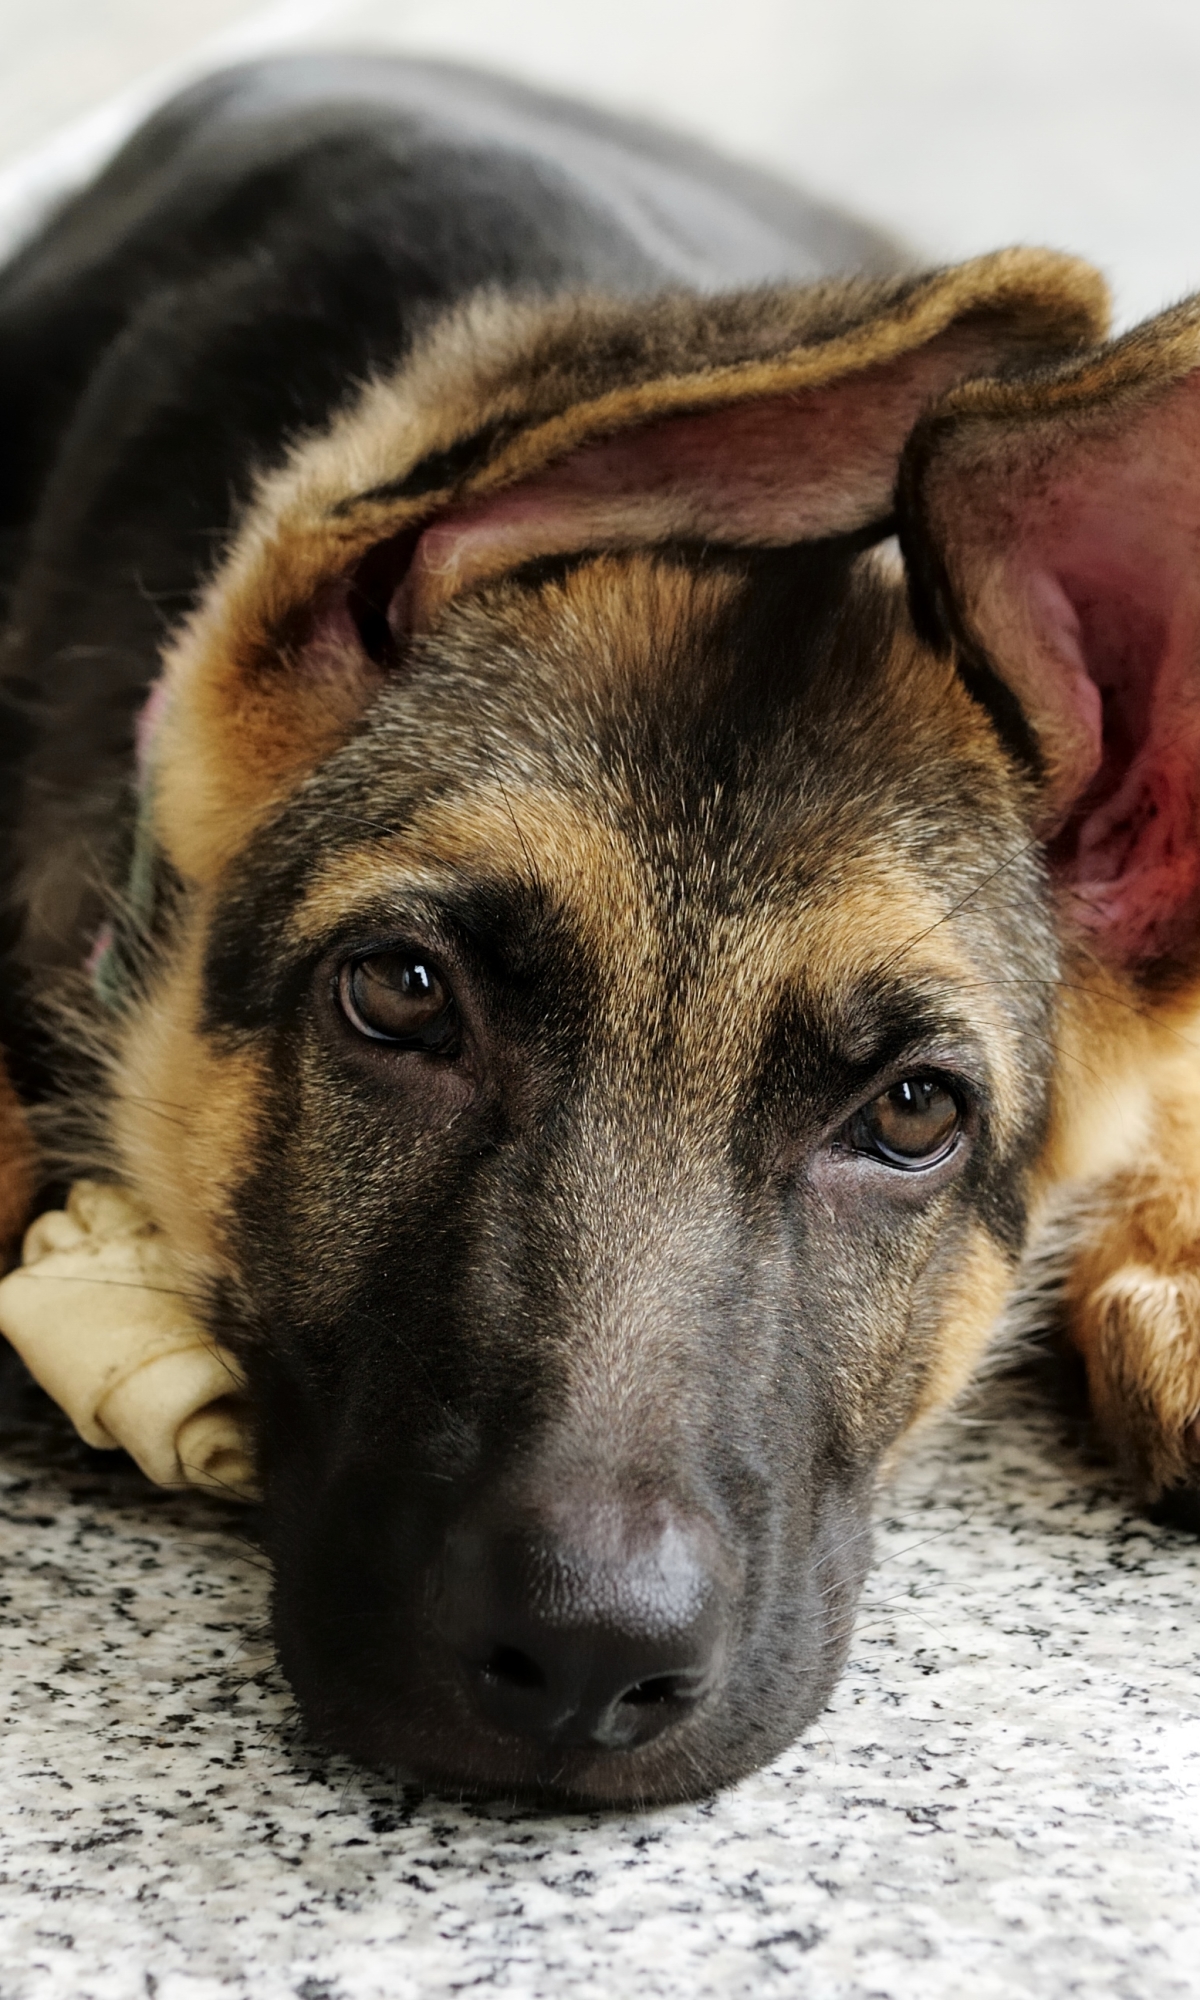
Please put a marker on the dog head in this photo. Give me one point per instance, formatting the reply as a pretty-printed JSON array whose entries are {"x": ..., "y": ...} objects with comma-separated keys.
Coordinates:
[{"x": 605, "y": 997}]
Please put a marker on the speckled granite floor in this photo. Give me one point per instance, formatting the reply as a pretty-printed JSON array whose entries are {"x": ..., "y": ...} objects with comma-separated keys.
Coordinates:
[{"x": 1003, "y": 1799}]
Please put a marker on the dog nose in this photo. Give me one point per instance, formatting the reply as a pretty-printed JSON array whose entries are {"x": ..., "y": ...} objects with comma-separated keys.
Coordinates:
[{"x": 606, "y": 1639}]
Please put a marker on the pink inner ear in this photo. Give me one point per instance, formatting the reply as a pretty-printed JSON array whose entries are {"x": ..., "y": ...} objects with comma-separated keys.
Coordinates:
[
  {"x": 1117, "y": 593},
  {"x": 351, "y": 630},
  {"x": 768, "y": 471}
]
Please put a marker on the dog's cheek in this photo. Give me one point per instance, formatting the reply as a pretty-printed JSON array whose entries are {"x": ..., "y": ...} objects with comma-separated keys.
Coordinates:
[
  {"x": 345, "y": 1228},
  {"x": 186, "y": 1114},
  {"x": 960, "y": 1310},
  {"x": 893, "y": 1310}
]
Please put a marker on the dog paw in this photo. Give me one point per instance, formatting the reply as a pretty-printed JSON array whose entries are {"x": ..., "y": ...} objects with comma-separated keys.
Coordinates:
[{"x": 1137, "y": 1325}]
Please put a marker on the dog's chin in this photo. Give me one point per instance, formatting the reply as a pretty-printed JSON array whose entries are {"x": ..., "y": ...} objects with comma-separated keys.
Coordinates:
[
  {"x": 421, "y": 1727},
  {"x": 463, "y": 1758}
]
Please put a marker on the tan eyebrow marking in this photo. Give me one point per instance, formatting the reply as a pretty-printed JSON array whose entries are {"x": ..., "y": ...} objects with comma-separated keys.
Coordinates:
[{"x": 509, "y": 832}]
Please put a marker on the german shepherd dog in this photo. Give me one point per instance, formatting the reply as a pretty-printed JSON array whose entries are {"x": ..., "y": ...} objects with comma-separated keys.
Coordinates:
[{"x": 664, "y": 863}]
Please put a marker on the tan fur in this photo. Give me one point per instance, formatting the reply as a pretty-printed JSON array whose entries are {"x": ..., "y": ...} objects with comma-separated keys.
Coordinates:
[
  {"x": 971, "y": 1305},
  {"x": 1126, "y": 1140},
  {"x": 1124, "y": 1150},
  {"x": 492, "y": 833},
  {"x": 184, "y": 1115},
  {"x": 1133, "y": 1296},
  {"x": 1110, "y": 1050}
]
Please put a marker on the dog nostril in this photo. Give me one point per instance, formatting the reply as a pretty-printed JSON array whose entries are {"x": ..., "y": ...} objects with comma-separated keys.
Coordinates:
[
  {"x": 509, "y": 1666},
  {"x": 660, "y": 1688}
]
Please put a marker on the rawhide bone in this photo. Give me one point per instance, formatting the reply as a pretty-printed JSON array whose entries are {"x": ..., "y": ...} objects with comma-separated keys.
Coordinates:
[{"x": 99, "y": 1314}]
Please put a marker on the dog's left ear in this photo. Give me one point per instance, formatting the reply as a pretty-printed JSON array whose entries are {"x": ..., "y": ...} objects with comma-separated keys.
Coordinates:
[{"x": 1051, "y": 526}]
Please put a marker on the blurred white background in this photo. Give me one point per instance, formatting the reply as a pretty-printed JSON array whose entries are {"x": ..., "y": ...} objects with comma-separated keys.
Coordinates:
[{"x": 962, "y": 123}]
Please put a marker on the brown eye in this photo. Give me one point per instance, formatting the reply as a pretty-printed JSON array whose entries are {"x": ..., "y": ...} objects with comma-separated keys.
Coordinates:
[
  {"x": 914, "y": 1124},
  {"x": 399, "y": 997}
]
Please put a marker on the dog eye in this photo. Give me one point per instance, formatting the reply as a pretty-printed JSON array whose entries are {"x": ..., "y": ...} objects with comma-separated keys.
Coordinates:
[
  {"x": 399, "y": 997},
  {"x": 914, "y": 1124}
]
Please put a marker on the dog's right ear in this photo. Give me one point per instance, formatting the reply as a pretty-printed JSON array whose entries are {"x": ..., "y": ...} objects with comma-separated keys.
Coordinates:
[
  {"x": 518, "y": 431},
  {"x": 1052, "y": 531}
]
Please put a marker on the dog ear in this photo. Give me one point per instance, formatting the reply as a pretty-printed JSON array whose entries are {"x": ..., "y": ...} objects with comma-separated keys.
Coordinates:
[
  {"x": 1052, "y": 530},
  {"x": 518, "y": 431},
  {"x": 759, "y": 421}
]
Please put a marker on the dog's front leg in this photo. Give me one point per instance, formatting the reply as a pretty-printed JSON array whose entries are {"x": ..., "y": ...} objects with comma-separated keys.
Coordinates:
[{"x": 1133, "y": 1304}]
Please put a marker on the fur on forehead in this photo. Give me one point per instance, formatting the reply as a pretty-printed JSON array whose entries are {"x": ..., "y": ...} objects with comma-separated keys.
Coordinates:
[{"x": 517, "y": 429}]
